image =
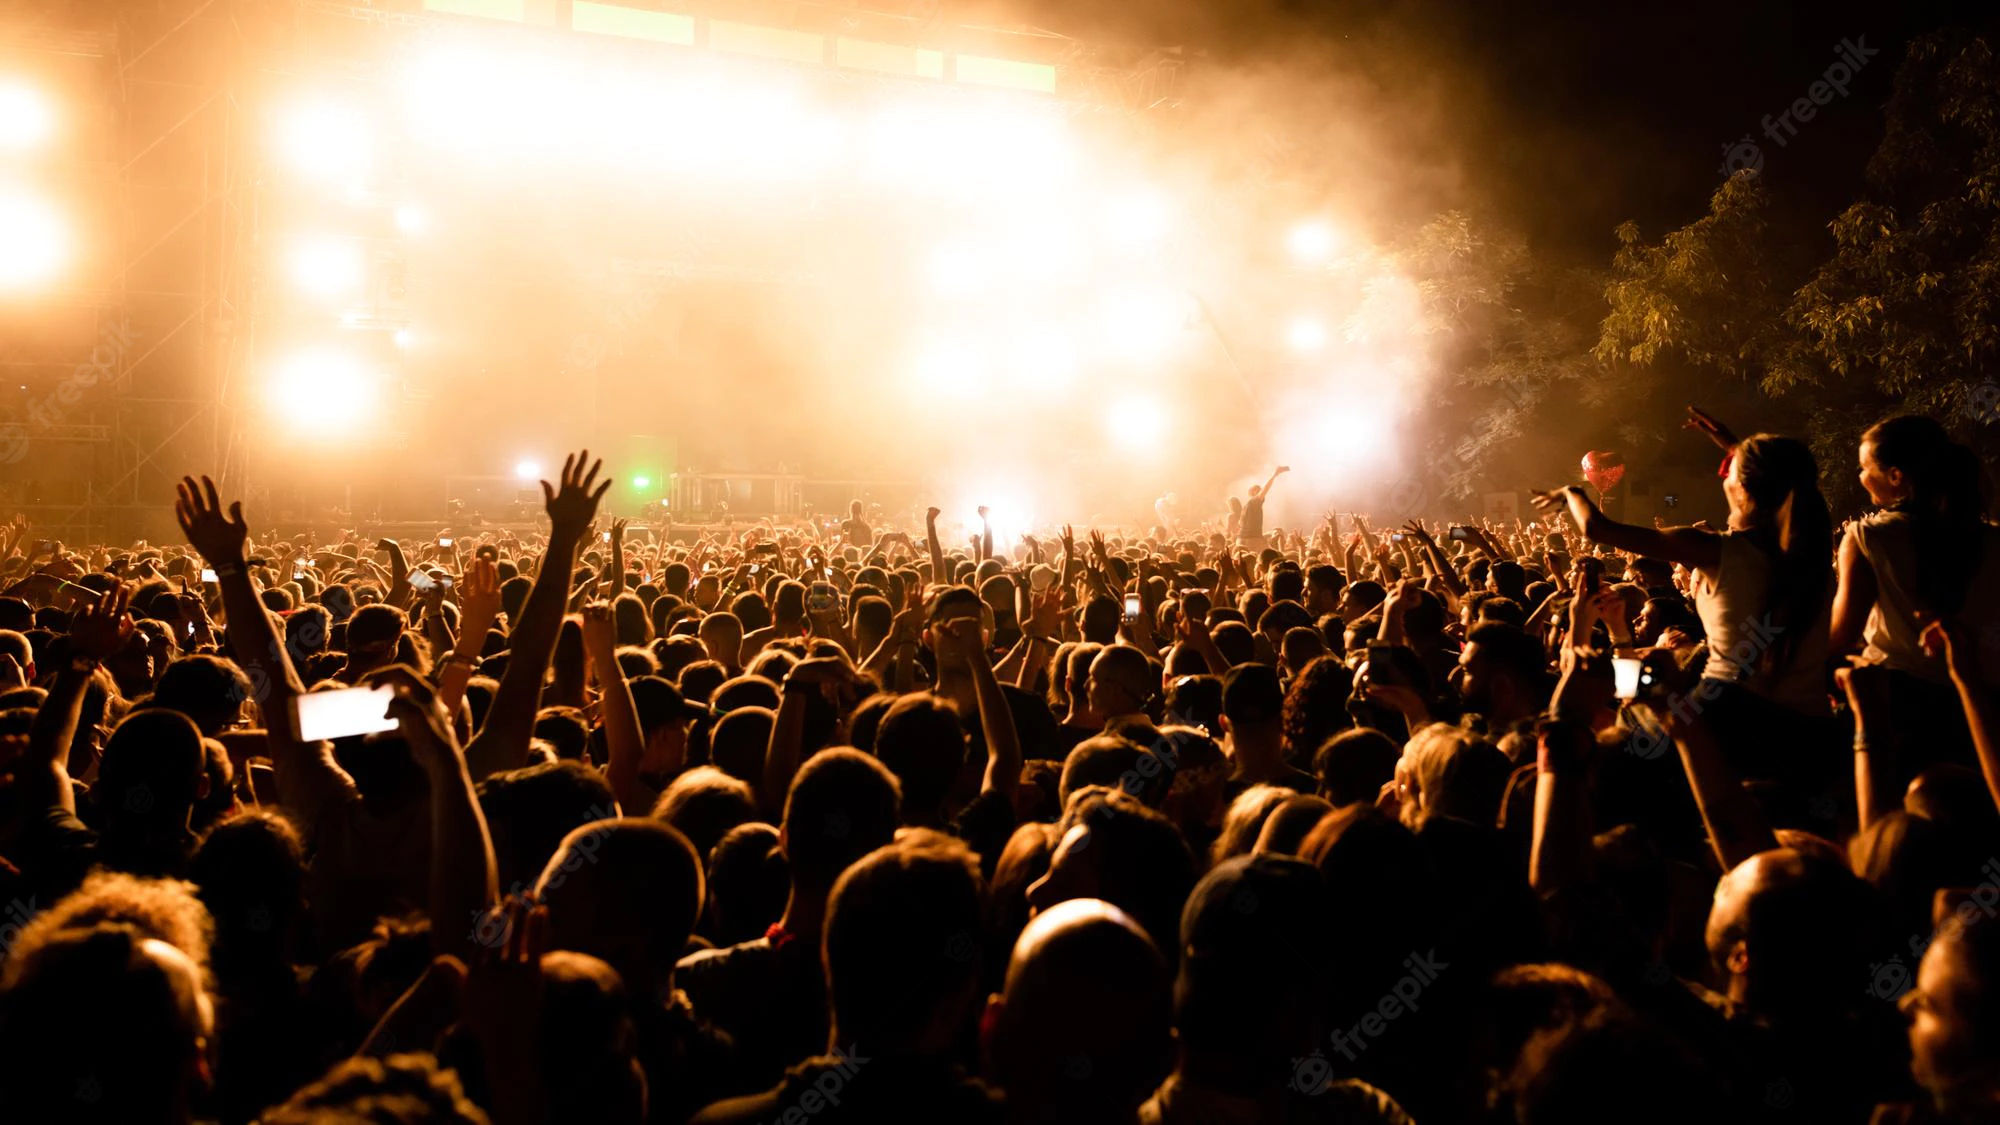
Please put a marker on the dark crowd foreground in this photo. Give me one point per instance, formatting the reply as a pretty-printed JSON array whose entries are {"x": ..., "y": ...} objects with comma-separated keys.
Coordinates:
[{"x": 1565, "y": 821}]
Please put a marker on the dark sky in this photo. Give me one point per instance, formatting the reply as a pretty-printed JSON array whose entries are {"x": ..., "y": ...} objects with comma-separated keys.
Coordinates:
[{"x": 1571, "y": 115}]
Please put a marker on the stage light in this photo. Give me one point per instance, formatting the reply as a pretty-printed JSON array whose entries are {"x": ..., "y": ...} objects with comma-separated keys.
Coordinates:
[
  {"x": 27, "y": 118},
  {"x": 326, "y": 267},
  {"x": 642, "y": 482},
  {"x": 404, "y": 338},
  {"x": 1138, "y": 424},
  {"x": 1144, "y": 323},
  {"x": 325, "y": 392},
  {"x": 325, "y": 140},
  {"x": 957, "y": 269},
  {"x": 950, "y": 369},
  {"x": 410, "y": 218},
  {"x": 1137, "y": 219},
  {"x": 1044, "y": 359},
  {"x": 1312, "y": 242},
  {"x": 34, "y": 242},
  {"x": 527, "y": 470},
  {"x": 1306, "y": 335}
]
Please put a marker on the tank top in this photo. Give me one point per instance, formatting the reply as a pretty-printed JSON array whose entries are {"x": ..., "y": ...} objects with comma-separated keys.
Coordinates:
[
  {"x": 1888, "y": 541},
  {"x": 1734, "y": 600}
]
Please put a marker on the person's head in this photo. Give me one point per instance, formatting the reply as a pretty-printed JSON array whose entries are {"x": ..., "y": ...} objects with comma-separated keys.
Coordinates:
[
  {"x": 1911, "y": 461},
  {"x": 529, "y": 810},
  {"x": 1785, "y": 933},
  {"x": 747, "y": 883},
  {"x": 104, "y": 1023},
  {"x": 1244, "y": 820},
  {"x": 1111, "y": 846},
  {"x": 1501, "y": 672},
  {"x": 372, "y": 635},
  {"x": 1076, "y": 675},
  {"x": 251, "y": 871},
  {"x": 153, "y": 770},
  {"x": 722, "y": 635},
  {"x": 1102, "y": 616},
  {"x": 1196, "y": 700},
  {"x": 843, "y": 804},
  {"x": 207, "y": 689},
  {"x": 412, "y": 1089},
  {"x": 1116, "y": 762},
  {"x": 1253, "y": 705},
  {"x": 1446, "y": 771},
  {"x": 1315, "y": 705},
  {"x": 1082, "y": 1029},
  {"x": 1121, "y": 682},
  {"x": 703, "y": 804},
  {"x": 1954, "y": 1014},
  {"x": 1773, "y": 489},
  {"x": 738, "y": 741},
  {"x": 1353, "y": 765},
  {"x": 901, "y": 947},
  {"x": 1250, "y": 938},
  {"x": 626, "y": 891},
  {"x": 922, "y": 742}
]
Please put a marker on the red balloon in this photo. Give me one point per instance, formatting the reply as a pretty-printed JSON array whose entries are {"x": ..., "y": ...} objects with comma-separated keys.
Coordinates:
[{"x": 1603, "y": 469}]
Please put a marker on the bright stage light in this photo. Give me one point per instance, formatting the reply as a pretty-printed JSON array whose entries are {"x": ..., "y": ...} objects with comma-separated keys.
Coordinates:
[
  {"x": 951, "y": 369},
  {"x": 326, "y": 140},
  {"x": 1137, "y": 219},
  {"x": 27, "y": 118},
  {"x": 410, "y": 218},
  {"x": 527, "y": 470},
  {"x": 1044, "y": 359},
  {"x": 1305, "y": 334},
  {"x": 325, "y": 392},
  {"x": 405, "y": 338},
  {"x": 1138, "y": 424},
  {"x": 1006, "y": 512},
  {"x": 642, "y": 482},
  {"x": 34, "y": 242},
  {"x": 957, "y": 269},
  {"x": 1143, "y": 324},
  {"x": 326, "y": 267},
  {"x": 1312, "y": 242}
]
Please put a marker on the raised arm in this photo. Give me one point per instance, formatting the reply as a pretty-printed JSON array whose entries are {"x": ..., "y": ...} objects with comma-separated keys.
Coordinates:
[
  {"x": 97, "y": 633},
  {"x": 938, "y": 576},
  {"x": 1689, "y": 546},
  {"x": 399, "y": 574},
  {"x": 1961, "y": 658},
  {"x": 463, "y": 882},
  {"x": 503, "y": 742},
  {"x": 478, "y": 609},
  {"x": 624, "y": 742},
  {"x": 616, "y": 584},
  {"x": 309, "y": 781},
  {"x": 962, "y": 641},
  {"x": 1275, "y": 474}
]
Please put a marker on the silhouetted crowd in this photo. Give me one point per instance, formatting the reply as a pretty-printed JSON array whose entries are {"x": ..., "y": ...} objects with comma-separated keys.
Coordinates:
[{"x": 1555, "y": 821}]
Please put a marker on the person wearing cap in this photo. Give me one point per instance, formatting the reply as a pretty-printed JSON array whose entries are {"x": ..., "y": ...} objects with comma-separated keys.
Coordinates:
[{"x": 1253, "y": 707}]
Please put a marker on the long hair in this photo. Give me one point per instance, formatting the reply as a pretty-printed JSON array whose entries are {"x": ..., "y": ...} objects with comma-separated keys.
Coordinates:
[
  {"x": 1781, "y": 478},
  {"x": 1946, "y": 505}
]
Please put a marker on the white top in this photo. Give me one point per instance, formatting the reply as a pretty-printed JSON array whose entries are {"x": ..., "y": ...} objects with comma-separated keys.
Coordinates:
[
  {"x": 1733, "y": 599},
  {"x": 1886, "y": 540}
]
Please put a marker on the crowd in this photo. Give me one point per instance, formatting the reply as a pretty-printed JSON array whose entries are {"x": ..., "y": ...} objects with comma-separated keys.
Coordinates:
[{"x": 1560, "y": 822}]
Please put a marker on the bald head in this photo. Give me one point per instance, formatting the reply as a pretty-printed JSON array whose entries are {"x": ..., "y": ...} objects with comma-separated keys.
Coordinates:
[{"x": 1083, "y": 1027}]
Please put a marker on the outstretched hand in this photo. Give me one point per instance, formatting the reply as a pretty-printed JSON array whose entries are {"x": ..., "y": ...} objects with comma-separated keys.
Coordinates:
[
  {"x": 217, "y": 537},
  {"x": 573, "y": 505},
  {"x": 1703, "y": 422},
  {"x": 101, "y": 628}
]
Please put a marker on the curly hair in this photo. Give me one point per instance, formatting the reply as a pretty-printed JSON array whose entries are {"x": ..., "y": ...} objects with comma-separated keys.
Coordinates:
[
  {"x": 1316, "y": 706},
  {"x": 167, "y": 909},
  {"x": 399, "y": 1090}
]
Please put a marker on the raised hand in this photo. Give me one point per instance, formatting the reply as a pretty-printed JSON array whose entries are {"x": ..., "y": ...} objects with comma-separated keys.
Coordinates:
[
  {"x": 101, "y": 628},
  {"x": 479, "y": 590},
  {"x": 1045, "y": 618},
  {"x": 931, "y": 515},
  {"x": 600, "y": 629},
  {"x": 573, "y": 505},
  {"x": 959, "y": 641},
  {"x": 617, "y": 529},
  {"x": 217, "y": 537},
  {"x": 1703, "y": 422}
]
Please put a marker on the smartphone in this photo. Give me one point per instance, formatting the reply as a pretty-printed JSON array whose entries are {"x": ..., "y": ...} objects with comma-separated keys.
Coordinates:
[
  {"x": 755, "y": 567},
  {"x": 822, "y": 598},
  {"x": 1395, "y": 537},
  {"x": 1132, "y": 608},
  {"x": 207, "y": 577},
  {"x": 1625, "y": 670},
  {"x": 421, "y": 582},
  {"x": 604, "y": 537},
  {"x": 707, "y": 566},
  {"x": 444, "y": 540},
  {"x": 320, "y": 715},
  {"x": 1461, "y": 533},
  {"x": 298, "y": 572}
]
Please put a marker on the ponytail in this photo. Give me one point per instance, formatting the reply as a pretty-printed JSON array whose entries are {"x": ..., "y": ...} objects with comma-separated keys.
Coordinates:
[
  {"x": 1782, "y": 479},
  {"x": 1946, "y": 506}
]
